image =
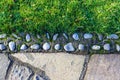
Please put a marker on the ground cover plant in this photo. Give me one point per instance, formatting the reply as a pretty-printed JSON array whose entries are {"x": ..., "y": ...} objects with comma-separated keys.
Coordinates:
[{"x": 54, "y": 16}]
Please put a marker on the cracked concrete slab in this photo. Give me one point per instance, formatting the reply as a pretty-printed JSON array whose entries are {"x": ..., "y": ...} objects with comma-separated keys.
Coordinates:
[
  {"x": 103, "y": 67},
  {"x": 4, "y": 63},
  {"x": 58, "y": 66}
]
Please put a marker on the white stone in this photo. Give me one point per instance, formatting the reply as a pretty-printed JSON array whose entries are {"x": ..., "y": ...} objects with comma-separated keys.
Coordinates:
[
  {"x": 57, "y": 66},
  {"x": 57, "y": 47},
  {"x": 69, "y": 47},
  {"x": 46, "y": 46},
  {"x": 2, "y": 36},
  {"x": 66, "y": 37},
  {"x": 113, "y": 36},
  {"x": 88, "y": 35},
  {"x": 55, "y": 37},
  {"x": 14, "y": 35},
  {"x": 75, "y": 36},
  {"x": 12, "y": 45},
  {"x": 81, "y": 47},
  {"x": 2, "y": 47},
  {"x": 96, "y": 47},
  {"x": 28, "y": 38},
  {"x": 106, "y": 46},
  {"x": 117, "y": 47},
  {"x": 35, "y": 46},
  {"x": 23, "y": 47}
]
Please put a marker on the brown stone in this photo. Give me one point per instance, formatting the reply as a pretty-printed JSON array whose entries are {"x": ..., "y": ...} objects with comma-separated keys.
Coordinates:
[{"x": 103, "y": 67}]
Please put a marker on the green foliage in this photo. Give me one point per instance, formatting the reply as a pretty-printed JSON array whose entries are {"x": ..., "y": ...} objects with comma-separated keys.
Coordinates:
[{"x": 40, "y": 16}]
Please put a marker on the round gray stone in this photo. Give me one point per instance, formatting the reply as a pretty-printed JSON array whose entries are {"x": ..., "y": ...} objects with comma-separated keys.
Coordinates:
[
  {"x": 28, "y": 38},
  {"x": 23, "y": 47},
  {"x": 12, "y": 45},
  {"x": 75, "y": 36},
  {"x": 2, "y": 47},
  {"x": 96, "y": 47},
  {"x": 106, "y": 47},
  {"x": 81, "y": 47},
  {"x": 88, "y": 36},
  {"x": 35, "y": 46},
  {"x": 46, "y": 46},
  {"x": 57, "y": 47},
  {"x": 113, "y": 36},
  {"x": 69, "y": 47},
  {"x": 55, "y": 37},
  {"x": 3, "y": 36}
]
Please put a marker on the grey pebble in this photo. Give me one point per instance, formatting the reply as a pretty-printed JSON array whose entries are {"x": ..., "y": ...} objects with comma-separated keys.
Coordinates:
[
  {"x": 69, "y": 47},
  {"x": 46, "y": 46},
  {"x": 75, "y": 36},
  {"x": 12, "y": 45}
]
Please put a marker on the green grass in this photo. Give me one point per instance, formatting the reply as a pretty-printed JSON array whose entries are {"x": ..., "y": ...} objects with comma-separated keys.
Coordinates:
[{"x": 40, "y": 16}]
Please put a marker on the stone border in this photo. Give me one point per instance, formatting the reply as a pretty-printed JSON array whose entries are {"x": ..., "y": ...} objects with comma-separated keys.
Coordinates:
[{"x": 79, "y": 43}]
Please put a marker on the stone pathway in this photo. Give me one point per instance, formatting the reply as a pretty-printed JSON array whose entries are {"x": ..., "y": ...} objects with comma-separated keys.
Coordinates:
[{"x": 59, "y": 66}]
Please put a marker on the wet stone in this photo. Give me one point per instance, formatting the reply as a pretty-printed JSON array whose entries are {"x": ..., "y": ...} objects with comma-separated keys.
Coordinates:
[
  {"x": 19, "y": 72},
  {"x": 88, "y": 36},
  {"x": 2, "y": 47},
  {"x": 46, "y": 46},
  {"x": 28, "y": 38},
  {"x": 69, "y": 47},
  {"x": 12, "y": 46},
  {"x": 106, "y": 47},
  {"x": 35, "y": 46},
  {"x": 95, "y": 47},
  {"x": 23, "y": 47},
  {"x": 113, "y": 36},
  {"x": 75, "y": 36},
  {"x": 2, "y": 36}
]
